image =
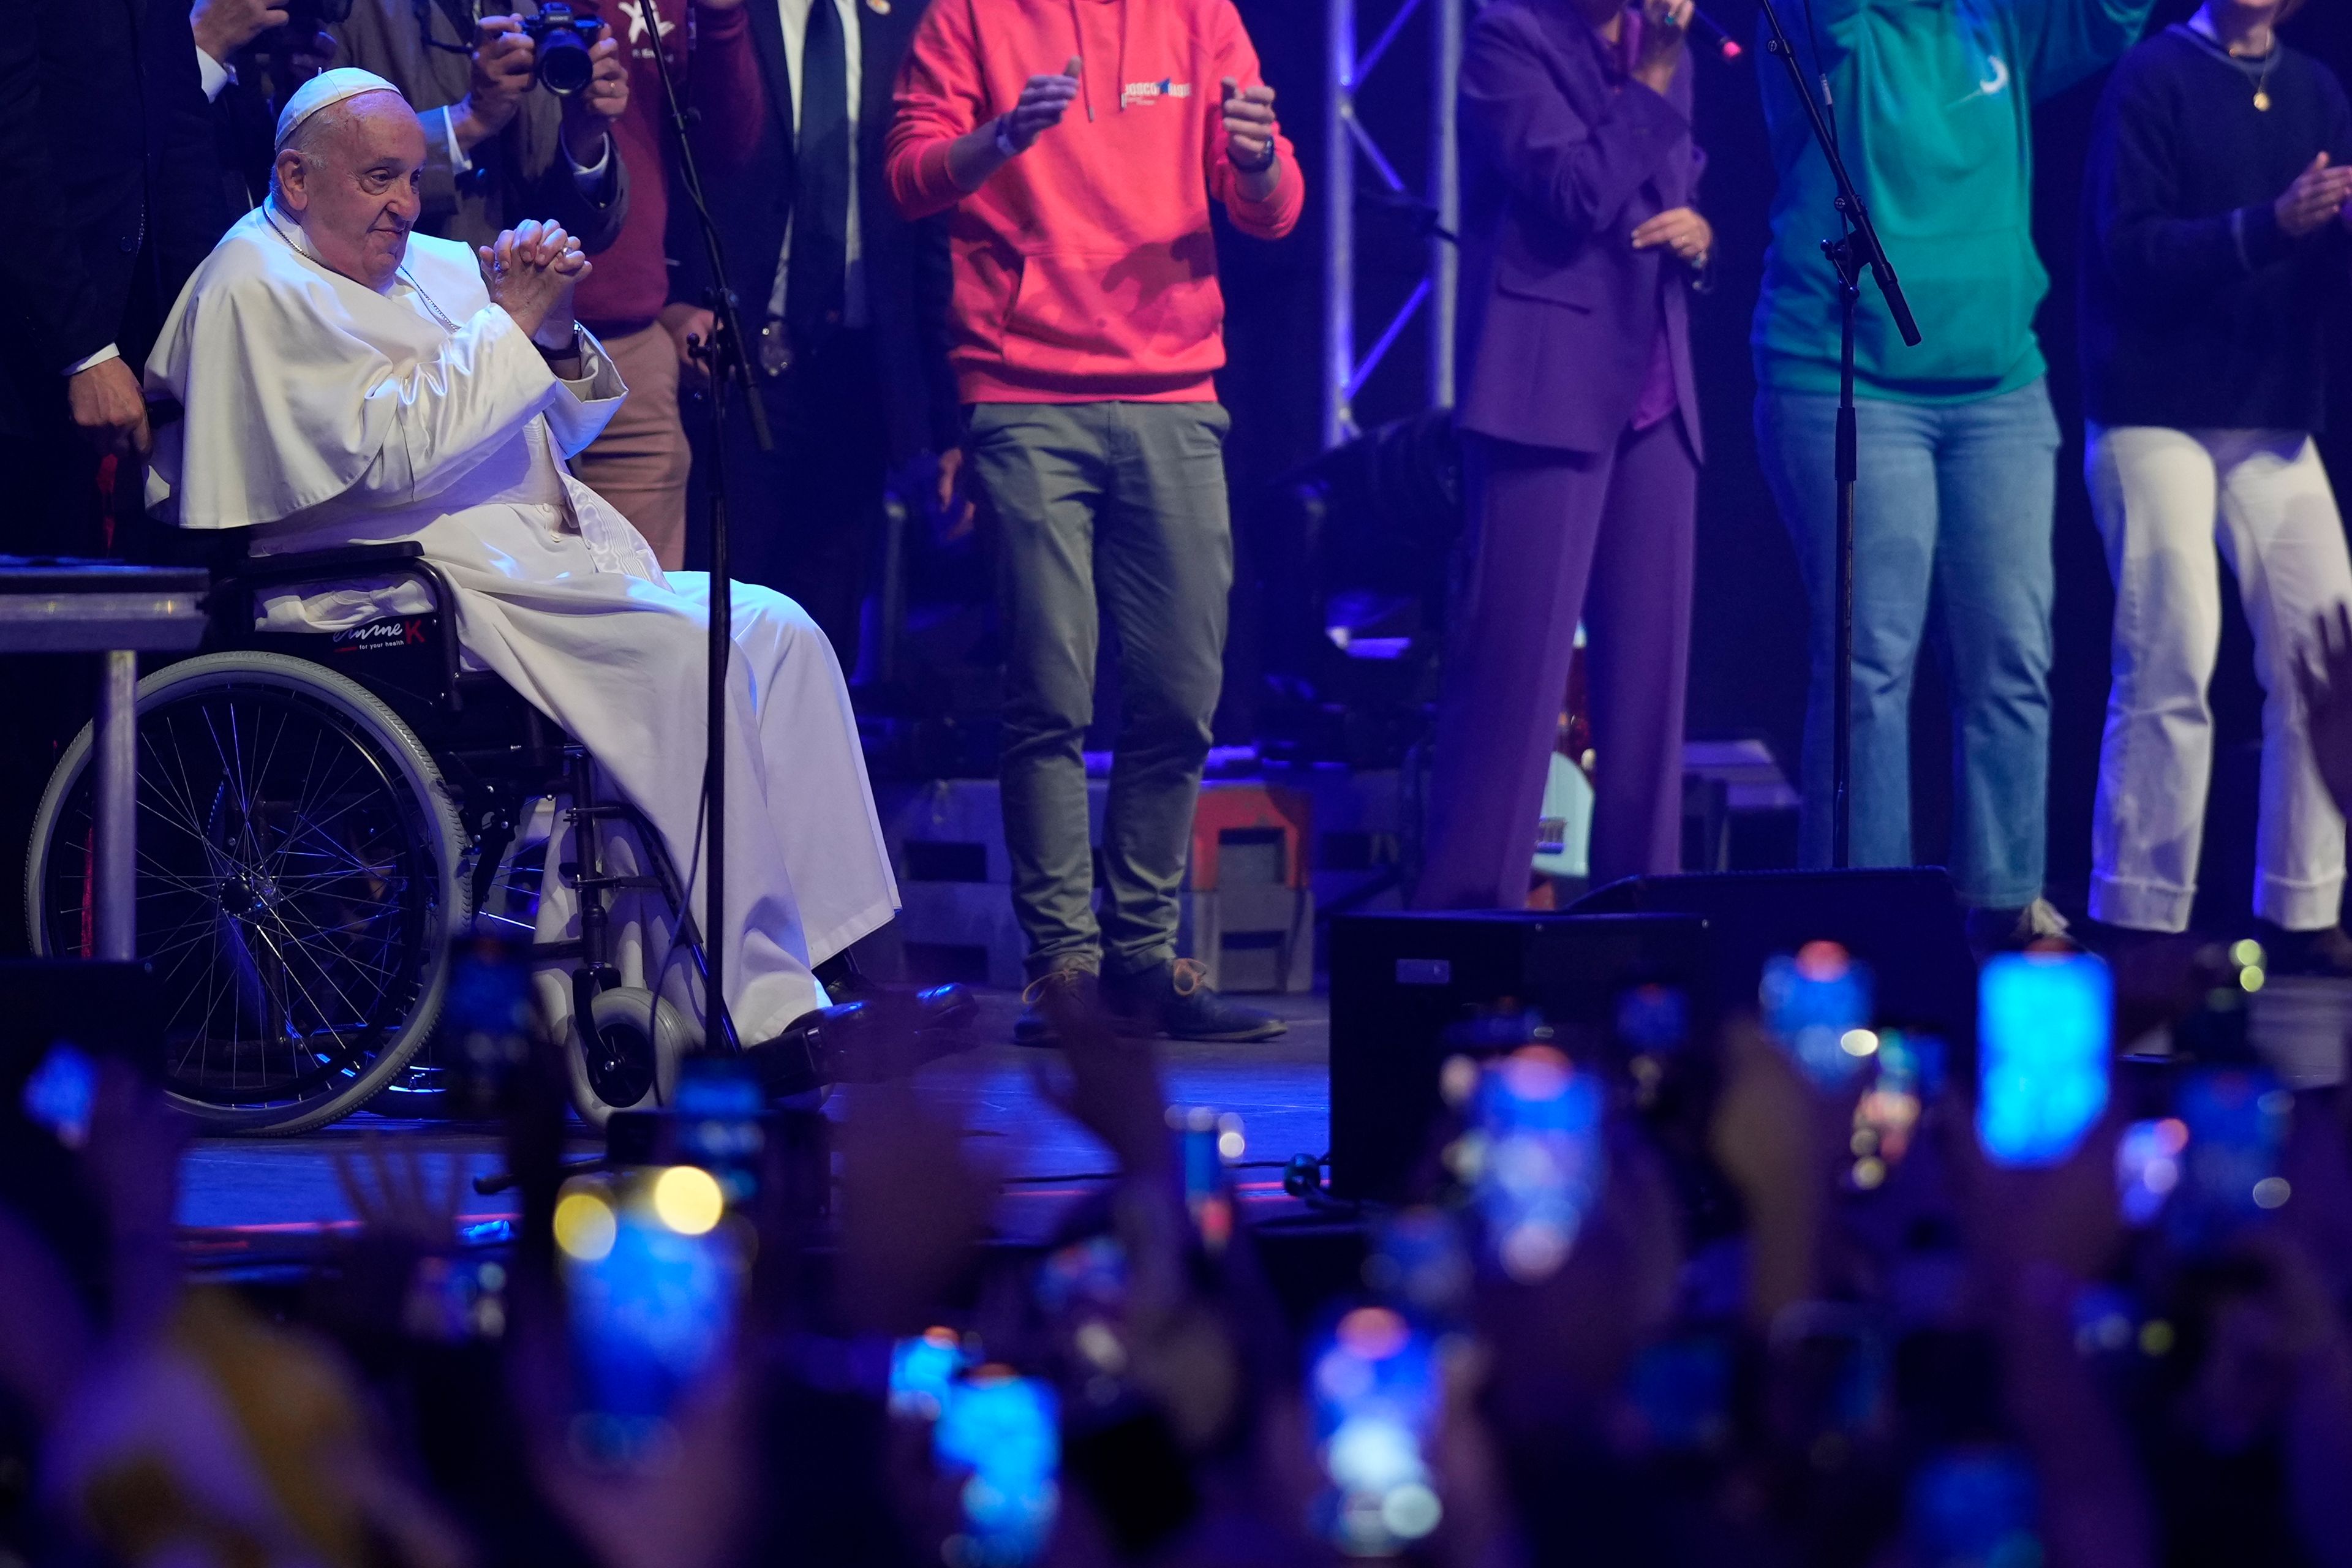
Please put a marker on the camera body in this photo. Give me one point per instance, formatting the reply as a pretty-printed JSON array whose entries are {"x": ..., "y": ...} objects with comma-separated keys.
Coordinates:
[
  {"x": 305, "y": 20},
  {"x": 562, "y": 38}
]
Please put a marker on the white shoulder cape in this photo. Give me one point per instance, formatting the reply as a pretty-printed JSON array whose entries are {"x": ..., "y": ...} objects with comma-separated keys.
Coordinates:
[{"x": 299, "y": 386}]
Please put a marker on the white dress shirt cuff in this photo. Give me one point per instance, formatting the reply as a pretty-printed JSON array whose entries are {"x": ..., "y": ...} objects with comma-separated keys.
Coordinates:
[
  {"x": 100, "y": 357},
  {"x": 458, "y": 162},
  {"x": 591, "y": 176},
  {"x": 212, "y": 74}
]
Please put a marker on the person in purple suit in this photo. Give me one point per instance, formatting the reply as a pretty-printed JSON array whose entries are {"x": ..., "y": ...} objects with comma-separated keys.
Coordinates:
[{"x": 1579, "y": 434}]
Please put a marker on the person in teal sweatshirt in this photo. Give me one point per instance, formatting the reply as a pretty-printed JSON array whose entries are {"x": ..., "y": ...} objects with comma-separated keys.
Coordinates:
[{"x": 1932, "y": 103}]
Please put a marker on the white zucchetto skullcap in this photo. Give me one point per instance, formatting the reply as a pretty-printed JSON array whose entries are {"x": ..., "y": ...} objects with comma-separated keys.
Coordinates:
[{"x": 324, "y": 91}]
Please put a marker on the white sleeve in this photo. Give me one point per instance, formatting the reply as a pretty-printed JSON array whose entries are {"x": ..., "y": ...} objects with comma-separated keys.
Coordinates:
[
  {"x": 100, "y": 357},
  {"x": 439, "y": 421},
  {"x": 591, "y": 177},
  {"x": 593, "y": 398},
  {"x": 212, "y": 74},
  {"x": 458, "y": 162}
]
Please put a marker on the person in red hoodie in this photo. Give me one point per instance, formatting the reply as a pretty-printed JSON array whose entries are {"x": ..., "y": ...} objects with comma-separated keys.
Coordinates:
[
  {"x": 1086, "y": 332},
  {"x": 641, "y": 462}
]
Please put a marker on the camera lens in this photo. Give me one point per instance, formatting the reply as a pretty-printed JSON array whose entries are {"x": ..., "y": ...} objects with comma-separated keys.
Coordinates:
[{"x": 563, "y": 63}]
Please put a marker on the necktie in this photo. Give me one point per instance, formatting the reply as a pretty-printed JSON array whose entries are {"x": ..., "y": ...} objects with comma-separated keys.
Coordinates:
[{"x": 814, "y": 286}]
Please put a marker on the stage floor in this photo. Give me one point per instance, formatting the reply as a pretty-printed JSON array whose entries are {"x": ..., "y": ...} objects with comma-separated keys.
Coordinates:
[{"x": 275, "y": 1203}]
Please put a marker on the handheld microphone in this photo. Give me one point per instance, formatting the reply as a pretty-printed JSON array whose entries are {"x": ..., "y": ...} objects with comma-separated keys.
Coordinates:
[{"x": 1724, "y": 44}]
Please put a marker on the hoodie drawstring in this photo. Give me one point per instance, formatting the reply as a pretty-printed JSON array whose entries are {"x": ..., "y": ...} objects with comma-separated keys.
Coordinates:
[
  {"x": 1121, "y": 83},
  {"x": 1078, "y": 48}
]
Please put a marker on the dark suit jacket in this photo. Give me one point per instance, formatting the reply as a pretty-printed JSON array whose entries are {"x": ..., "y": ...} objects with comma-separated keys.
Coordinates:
[
  {"x": 907, "y": 279},
  {"x": 1565, "y": 158},
  {"x": 109, "y": 185}
]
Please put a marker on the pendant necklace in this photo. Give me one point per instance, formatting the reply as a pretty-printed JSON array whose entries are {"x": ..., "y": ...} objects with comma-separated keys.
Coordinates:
[{"x": 2261, "y": 75}]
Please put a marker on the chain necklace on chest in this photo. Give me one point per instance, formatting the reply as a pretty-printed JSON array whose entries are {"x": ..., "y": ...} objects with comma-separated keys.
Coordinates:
[
  {"x": 2262, "y": 81},
  {"x": 2259, "y": 73}
]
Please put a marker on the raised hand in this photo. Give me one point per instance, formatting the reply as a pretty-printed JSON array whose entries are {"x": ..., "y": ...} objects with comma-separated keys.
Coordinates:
[
  {"x": 1666, "y": 25},
  {"x": 223, "y": 26},
  {"x": 503, "y": 62},
  {"x": 1043, "y": 102},
  {"x": 530, "y": 272},
  {"x": 1249, "y": 125},
  {"x": 2318, "y": 196},
  {"x": 588, "y": 115}
]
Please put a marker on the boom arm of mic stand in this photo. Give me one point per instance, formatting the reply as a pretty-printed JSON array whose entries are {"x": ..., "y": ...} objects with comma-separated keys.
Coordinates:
[{"x": 1861, "y": 235}]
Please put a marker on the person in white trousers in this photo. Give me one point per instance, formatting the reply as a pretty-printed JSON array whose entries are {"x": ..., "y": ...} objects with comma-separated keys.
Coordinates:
[{"x": 2217, "y": 238}]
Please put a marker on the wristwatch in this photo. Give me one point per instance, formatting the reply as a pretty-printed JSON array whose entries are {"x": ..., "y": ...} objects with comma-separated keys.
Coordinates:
[
  {"x": 574, "y": 350},
  {"x": 1260, "y": 167},
  {"x": 1004, "y": 138}
]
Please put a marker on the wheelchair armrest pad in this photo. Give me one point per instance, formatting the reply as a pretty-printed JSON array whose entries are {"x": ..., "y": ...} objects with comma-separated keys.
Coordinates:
[{"x": 308, "y": 563}]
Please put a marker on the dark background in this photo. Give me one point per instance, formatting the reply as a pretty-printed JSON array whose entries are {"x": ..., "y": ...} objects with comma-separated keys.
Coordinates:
[{"x": 1748, "y": 667}]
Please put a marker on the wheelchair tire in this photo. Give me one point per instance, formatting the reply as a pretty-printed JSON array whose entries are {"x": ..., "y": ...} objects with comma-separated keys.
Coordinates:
[
  {"x": 298, "y": 885},
  {"x": 626, "y": 1055}
]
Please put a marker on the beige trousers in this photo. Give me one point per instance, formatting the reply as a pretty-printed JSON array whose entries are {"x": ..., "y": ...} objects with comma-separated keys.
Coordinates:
[{"x": 640, "y": 463}]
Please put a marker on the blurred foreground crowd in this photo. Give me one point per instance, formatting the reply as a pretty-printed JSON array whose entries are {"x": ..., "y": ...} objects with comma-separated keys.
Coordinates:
[{"x": 1676, "y": 1294}]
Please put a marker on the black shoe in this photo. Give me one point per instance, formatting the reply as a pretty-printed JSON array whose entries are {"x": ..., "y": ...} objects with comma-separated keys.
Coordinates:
[
  {"x": 936, "y": 1007},
  {"x": 1172, "y": 999},
  {"x": 1055, "y": 991},
  {"x": 859, "y": 1042},
  {"x": 946, "y": 1008},
  {"x": 2323, "y": 954}
]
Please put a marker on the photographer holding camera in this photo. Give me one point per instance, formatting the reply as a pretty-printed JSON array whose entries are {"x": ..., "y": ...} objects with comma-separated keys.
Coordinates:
[{"x": 518, "y": 112}]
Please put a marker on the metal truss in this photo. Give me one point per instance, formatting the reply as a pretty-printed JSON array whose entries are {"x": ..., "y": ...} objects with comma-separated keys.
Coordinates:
[{"x": 1346, "y": 141}]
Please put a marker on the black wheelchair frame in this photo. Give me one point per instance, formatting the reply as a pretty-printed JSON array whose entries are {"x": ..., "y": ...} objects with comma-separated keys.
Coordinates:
[{"x": 476, "y": 745}]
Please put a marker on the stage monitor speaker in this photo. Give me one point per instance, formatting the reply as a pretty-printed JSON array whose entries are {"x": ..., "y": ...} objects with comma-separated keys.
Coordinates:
[
  {"x": 1904, "y": 922},
  {"x": 1399, "y": 981}
]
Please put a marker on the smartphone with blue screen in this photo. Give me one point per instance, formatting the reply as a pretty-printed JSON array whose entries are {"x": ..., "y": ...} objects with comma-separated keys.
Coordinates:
[
  {"x": 1006, "y": 1430},
  {"x": 1207, "y": 1142},
  {"x": 2045, "y": 1027},
  {"x": 1541, "y": 1157},
  {"x": 1372, "y": 1377},
  {"x": 60, "y": 1093},
  {"x": 923, "y": 1370},
  {"x": 1817, "y": 1002},
  {"x": 1973, "y": 1507},
  {"x": 2236, "y": 1120},
  {"x": 652, "y": 1278},
  {"x": 2147, "y": 1167}
]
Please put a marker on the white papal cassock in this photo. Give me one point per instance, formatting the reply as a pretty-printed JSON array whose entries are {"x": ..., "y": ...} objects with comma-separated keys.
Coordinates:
[{"x": 323, "y": 412}]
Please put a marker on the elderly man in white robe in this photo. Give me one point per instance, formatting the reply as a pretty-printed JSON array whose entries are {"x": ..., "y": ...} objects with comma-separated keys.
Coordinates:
[{"x": 345, "y": 381}]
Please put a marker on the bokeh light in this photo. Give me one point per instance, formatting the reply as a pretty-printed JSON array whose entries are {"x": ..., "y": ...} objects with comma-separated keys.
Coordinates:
[
  {"x": 585, "y": 1227},
  {"x": 686, "y": 1199}
]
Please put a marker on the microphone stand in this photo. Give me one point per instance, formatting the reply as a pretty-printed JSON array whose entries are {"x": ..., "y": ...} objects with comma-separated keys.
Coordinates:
[
  {"x": 1858, "y": 248},
  {"x": 724, "y": 361}
]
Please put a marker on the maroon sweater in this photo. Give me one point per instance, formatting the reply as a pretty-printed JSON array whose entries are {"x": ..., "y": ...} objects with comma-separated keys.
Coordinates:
[{"x": 718, "y": 75}]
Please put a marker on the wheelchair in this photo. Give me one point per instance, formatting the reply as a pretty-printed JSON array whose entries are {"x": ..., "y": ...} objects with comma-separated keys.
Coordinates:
[{"x": 323, "y": 816}]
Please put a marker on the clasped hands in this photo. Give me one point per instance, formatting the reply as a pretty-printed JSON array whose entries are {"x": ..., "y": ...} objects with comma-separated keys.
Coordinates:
[{"x": 530, "y": 272}]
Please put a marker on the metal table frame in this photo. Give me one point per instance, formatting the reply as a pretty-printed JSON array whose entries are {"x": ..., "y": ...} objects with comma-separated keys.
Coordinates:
[{"x": 55, "y": 605}]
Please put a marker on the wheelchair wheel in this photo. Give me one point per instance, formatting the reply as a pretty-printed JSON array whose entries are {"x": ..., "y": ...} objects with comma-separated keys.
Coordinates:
[
  {"x": 627, "y": 1058},
  {"x": 298, "y": 885}
]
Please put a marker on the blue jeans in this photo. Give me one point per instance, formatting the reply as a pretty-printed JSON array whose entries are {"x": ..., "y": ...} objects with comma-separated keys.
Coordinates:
[{"x": 1952, "y": 506}]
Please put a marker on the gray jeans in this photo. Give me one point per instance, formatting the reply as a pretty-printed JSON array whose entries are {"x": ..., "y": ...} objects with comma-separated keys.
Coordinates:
[{"x": 1117, "y": 511}]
